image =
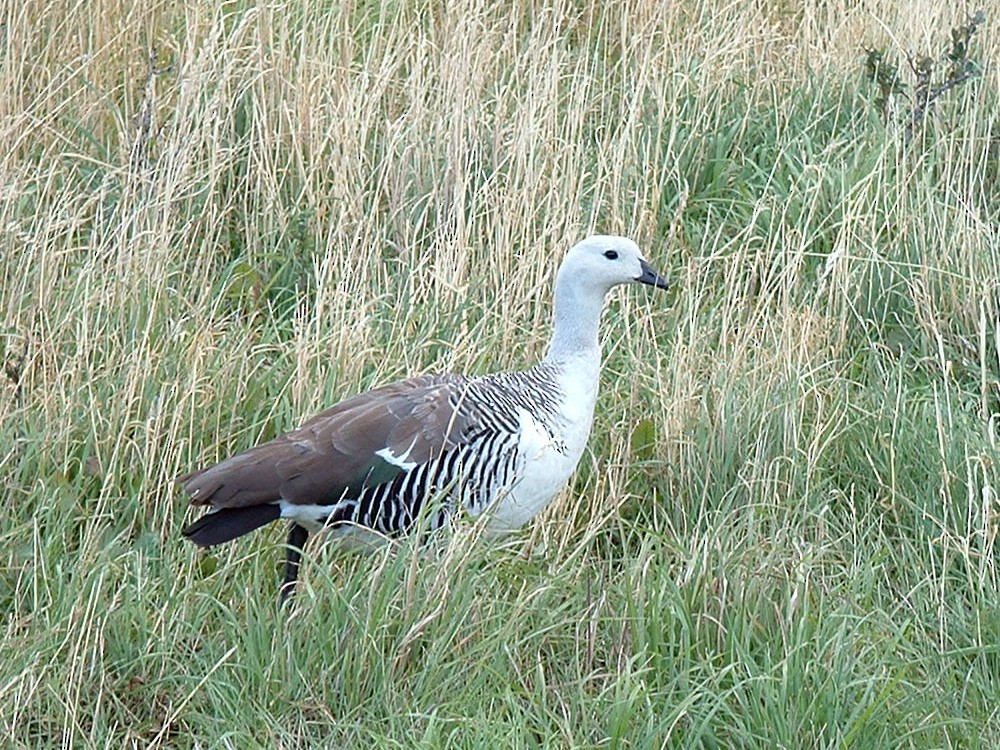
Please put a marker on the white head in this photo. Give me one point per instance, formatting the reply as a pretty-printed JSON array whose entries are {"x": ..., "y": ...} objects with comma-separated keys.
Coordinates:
[
  {"x": 603, "y": 261},
  {"x": 589, "y": 270}
]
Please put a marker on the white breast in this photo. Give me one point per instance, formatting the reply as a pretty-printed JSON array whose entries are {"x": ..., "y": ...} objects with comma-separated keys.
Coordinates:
[{"x": 547, "y": 458}]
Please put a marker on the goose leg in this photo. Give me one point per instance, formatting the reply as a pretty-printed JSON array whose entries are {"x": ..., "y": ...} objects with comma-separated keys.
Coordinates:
[{"x": 297, "y": 536}]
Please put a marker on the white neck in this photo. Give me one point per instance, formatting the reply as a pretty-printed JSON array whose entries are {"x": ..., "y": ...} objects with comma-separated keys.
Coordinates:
[{"x": 576, "y": 318}]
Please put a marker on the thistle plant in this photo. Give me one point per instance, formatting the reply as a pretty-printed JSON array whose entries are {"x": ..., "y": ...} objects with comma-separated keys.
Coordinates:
[{"x": 933, "y": 77}]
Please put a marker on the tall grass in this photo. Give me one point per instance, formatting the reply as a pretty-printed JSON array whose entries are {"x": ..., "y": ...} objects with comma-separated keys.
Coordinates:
[{"x": 217, "y": 218}]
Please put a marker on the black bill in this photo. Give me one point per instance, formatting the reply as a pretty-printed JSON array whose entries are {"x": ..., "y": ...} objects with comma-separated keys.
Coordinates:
[{"x": 650, "y": 276}]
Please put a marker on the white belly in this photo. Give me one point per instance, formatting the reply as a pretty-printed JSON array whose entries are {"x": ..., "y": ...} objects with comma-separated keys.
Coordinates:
[{"x": 546, "y": 464}]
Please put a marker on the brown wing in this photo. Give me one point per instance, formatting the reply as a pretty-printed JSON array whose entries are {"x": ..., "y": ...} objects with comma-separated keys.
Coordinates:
[{"x": 337, "y": 451}]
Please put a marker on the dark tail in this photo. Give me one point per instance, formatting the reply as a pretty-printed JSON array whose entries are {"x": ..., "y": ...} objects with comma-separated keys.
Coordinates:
[{"x": 227, "y": 524}]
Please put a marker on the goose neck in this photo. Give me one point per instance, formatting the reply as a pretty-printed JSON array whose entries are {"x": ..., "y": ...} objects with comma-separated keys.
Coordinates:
[{"x": 576, "y": 319}]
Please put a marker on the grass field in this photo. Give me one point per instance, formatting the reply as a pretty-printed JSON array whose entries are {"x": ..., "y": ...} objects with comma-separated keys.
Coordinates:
[{"x": 217, "y": 218}]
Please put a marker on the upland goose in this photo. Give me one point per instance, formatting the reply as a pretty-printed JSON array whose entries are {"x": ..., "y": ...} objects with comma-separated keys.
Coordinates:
[{"x": 503, "y": 444}]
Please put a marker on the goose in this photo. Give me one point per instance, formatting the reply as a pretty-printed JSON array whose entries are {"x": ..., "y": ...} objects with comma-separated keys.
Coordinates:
[{"x": 503, "y": 444}]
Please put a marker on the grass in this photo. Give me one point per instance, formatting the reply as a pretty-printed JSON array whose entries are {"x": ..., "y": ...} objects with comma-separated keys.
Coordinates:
[{"x": 783, "y": 533}]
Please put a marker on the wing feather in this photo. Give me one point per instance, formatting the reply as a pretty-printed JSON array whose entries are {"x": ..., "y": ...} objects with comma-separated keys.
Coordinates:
[{"x": 337, "y": 451}]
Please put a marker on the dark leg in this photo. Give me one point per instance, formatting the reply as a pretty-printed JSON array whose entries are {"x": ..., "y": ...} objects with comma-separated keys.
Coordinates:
[{"x": 297, "y": 536}]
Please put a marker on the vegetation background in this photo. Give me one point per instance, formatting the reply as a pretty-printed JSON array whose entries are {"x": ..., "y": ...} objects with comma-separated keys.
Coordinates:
[{"x": 217, "y": 218}]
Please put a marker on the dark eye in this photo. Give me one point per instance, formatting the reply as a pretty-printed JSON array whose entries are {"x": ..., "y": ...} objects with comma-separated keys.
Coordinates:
[{"x": 611, "y": 254}]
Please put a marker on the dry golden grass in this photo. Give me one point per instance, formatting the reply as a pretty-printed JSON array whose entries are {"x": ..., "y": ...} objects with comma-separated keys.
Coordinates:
[{"x": 217, "y": 218}]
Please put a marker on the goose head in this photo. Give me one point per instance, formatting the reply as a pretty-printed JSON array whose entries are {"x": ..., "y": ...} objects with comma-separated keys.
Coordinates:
[{"x": 601, "y": 262}]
